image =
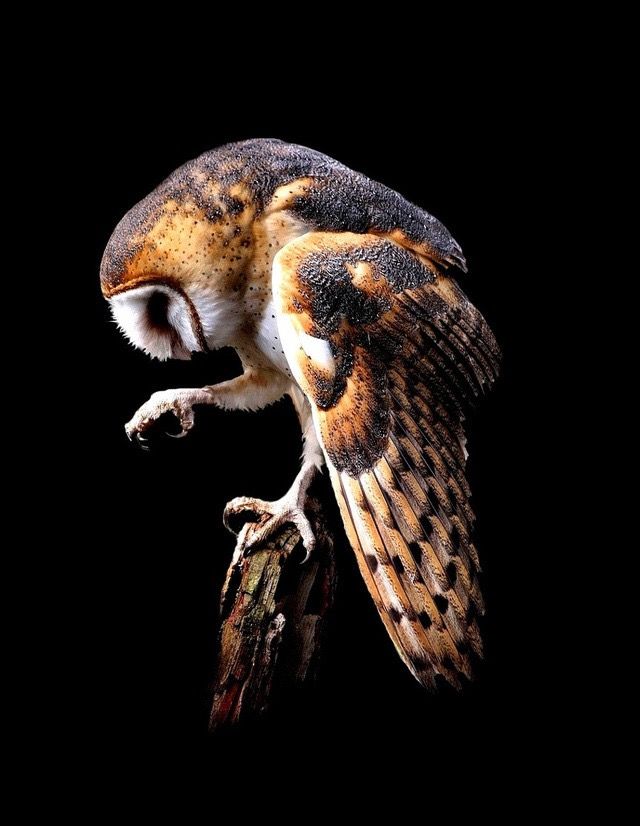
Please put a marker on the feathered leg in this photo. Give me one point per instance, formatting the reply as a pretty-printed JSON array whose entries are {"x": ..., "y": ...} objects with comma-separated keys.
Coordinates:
[
  {"x": 289, "y": 508},
  {"x": 253, "y": 390}
]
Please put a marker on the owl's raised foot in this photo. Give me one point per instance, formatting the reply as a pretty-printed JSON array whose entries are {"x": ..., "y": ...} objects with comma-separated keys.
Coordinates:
[
  {"x": 179, "y": 402},
  {"x": 270, "y": 516}
]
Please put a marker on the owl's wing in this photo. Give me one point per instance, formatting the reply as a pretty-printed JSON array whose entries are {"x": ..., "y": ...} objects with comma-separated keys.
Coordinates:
[{"x": 391, "y": 354}]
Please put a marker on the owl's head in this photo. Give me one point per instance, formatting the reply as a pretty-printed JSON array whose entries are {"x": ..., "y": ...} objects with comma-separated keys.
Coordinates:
[{"x": 175, "y": 266}]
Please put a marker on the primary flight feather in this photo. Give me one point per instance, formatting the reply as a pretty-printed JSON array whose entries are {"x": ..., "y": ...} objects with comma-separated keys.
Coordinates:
[{"x": 337, "y": 291}]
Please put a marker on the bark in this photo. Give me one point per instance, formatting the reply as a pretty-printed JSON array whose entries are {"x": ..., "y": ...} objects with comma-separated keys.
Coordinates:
[{"x": 273, "y": 615}]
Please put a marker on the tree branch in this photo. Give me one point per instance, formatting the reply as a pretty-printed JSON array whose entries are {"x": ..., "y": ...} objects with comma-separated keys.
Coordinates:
[{"x": 273, "y": 614}]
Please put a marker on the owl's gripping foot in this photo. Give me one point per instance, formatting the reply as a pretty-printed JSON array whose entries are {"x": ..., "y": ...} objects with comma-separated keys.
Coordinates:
[
  {"x": 273, "y": 515},
  {"x": 178, "y": 402}
]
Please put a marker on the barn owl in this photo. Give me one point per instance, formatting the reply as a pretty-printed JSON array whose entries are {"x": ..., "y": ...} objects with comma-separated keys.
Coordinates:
[{"x": 338, "y": 292}]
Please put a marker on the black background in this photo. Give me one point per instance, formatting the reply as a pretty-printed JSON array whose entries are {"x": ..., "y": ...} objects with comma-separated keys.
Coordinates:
[{"x": 150, "y": 568}]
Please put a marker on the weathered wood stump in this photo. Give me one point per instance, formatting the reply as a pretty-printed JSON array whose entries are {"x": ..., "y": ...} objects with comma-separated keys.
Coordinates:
[{"x": 273, "y": 615}]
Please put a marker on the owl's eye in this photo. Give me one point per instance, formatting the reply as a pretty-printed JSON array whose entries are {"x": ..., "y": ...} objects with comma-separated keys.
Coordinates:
[{"x": 158, "y": 310}]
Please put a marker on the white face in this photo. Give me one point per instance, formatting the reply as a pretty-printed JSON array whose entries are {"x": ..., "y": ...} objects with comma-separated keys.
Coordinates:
[{"x": 158, "y": 320}]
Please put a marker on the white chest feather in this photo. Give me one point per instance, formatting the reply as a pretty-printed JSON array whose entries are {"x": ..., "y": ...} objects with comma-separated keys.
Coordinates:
[
  {"x": 268, "y": 340},
  {"x": 220, "y": 315}
]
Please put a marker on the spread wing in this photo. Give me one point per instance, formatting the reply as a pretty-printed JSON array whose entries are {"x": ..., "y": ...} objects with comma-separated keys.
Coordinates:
[{"x": 391, "y": 354}]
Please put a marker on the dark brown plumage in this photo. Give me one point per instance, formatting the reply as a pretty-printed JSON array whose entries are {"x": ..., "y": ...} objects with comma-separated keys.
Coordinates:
[{"x": 410, "y": 357}]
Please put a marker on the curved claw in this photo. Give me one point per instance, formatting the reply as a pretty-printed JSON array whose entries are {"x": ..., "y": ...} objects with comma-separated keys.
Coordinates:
[
  {"x": 240, "y": 505},
  {"x": 308, "y": 540},
  {"x": 186, "y": 423},
  {"x": 180, "y": 435},
  {"x": 307, "y": 555},
  {"x": 142, "y": 441}
]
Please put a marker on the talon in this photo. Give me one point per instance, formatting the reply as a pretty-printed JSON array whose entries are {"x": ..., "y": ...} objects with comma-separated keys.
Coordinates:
[
  {"x": 308, "y": 540},
  {"x": 307, "y": 555},
  {"x": 186, "y": 423},
  {"x": 240, "y": 507},
  {"x": 272, "y": 515},
  {"x": 141, "y": 440},
  {"x": 153, "y": 409}
]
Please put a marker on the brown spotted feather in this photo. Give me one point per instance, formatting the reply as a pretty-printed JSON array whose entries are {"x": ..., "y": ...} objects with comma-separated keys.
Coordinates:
[{"x": 405, "y": 359}]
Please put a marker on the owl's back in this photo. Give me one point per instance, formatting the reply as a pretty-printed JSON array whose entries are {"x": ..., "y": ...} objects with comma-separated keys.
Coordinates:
[{"x": 337, "y": 199}]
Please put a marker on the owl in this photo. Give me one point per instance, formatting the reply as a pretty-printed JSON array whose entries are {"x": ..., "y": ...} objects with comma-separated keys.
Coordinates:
[{"x": 336, "y": 291}]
